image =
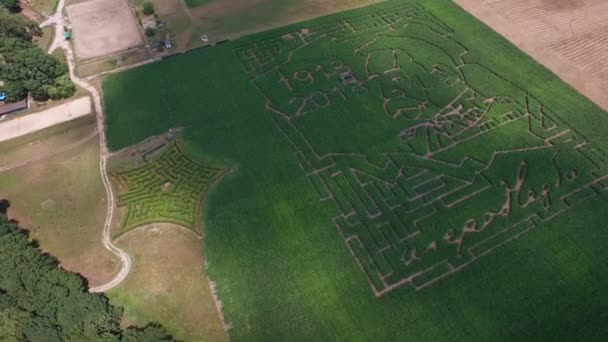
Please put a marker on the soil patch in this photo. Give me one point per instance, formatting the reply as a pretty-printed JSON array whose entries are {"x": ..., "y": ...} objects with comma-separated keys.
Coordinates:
[
  {"x": 570, "y": 37},
  {"x": 102, "y": 27},
  {"x": 168, "y": 283}
]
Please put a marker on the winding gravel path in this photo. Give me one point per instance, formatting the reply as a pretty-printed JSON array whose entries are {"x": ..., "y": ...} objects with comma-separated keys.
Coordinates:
[{"x": 57, "y": 20}]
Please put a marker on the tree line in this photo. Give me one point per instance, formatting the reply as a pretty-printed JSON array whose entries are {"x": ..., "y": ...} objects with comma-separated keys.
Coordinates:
[
  {"x": 41, "y": 302},
  {"x": 24, "y": 68}
]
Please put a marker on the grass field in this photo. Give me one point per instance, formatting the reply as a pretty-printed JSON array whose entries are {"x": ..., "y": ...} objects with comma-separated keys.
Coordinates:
[
  {"x": 60, "y": 199},
  {"x": 48, "y": 33},
  {"x": 168, "y": 283},
  {"x": 45, "y": 7},
  {"x": 45, "y": 141},
  {"x": 404, "y": 173}
]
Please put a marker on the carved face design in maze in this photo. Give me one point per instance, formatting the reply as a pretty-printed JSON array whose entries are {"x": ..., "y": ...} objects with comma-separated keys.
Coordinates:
[{"x": 431, "y": 159}]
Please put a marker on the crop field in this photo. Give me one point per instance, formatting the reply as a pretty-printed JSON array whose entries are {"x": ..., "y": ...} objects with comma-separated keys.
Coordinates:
[
  {"x": 403, "y": 173},
  {"x": 166, "y": 189}
]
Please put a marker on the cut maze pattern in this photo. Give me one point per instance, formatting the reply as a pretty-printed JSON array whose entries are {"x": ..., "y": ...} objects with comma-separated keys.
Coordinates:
[
  {"x": 166, "y": 189},
  {"x": 449, "y": 161}
]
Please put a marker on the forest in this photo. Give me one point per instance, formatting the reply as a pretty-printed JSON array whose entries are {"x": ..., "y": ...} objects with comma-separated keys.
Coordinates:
[
  {"x": 24, "y": 68},
  {"x": 41, "y": 302}
]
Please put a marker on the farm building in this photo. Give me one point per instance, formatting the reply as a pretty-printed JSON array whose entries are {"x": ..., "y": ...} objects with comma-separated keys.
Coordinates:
[{"x": 8, "y": 108}]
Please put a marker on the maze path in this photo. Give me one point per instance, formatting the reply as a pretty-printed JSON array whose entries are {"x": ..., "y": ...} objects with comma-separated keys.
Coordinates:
[
  {"x": 464, "y": 160},
  {"x": 166, "y": 189}
]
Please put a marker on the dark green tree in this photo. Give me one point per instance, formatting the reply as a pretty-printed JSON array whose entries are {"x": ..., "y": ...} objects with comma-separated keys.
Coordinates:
[
  {"x": 150, "y": 32},
  {"x": 40, "y": 302},
  {"x": 11, "y": 5},
  {"x": 15, "y": 90},
  {"x": 150, "y": 332},
  {"x": 148, "y": 8},
  {"x": 25, "y": 68},
  {"x": 17, "y": 26}
]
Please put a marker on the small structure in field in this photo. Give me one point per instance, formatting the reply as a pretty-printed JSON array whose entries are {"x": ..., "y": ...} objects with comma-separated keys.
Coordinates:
[
  {"x": 166, "y": 44},
  {"x": 347, "y": 78},
  {"x": 168, "y": 186},
  {"x": 8, "y": 108},
  {"x": 48, "y": 204}
]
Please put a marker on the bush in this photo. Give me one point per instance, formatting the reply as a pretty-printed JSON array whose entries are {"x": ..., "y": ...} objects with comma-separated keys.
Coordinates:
[
  {"x": 150, "y": 32},
  {"x": 11, "y": 5},
  {"x": 148, "y": 8}
]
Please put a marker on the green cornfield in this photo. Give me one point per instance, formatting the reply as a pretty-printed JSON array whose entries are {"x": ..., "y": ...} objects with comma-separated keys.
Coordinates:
[{"x": 402, "y": 172}]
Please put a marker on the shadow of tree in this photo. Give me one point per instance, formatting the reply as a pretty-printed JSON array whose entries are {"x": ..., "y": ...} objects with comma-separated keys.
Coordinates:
[{"x": 4, "y": 205}]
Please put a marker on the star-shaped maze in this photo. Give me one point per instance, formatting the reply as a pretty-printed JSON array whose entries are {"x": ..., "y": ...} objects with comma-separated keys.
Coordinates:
[{"x": 167, "y": 189}]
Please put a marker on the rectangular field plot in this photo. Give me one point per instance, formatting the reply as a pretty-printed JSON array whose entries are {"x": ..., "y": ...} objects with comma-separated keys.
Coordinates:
[
  {"x": 102, "y": 27},
  {"x": 431, "y": 159}
]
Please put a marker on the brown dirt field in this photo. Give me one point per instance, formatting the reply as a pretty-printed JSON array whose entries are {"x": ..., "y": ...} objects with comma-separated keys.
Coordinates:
[
  {"x": 229, "y": 19},
  {"x": 164, "y": 7},
  {"x": 71, "y": 227},
  {"x": 570, "y": 37},
  {"x": 102, "y": 27},
  {"x": 168, "y": 283}
]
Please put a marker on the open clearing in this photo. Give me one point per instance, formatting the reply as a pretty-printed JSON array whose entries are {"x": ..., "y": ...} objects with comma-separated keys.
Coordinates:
[
  {"x": 404, "y": 173},
  {"x": 570, "y": 37},
  {"x": 44, "y": 7},
  {"x": 102, "y": 27},
  {"x": 46, "y": 141},
  {"x": 60, "y": 199},
  {"x": 168, "y": 283}
]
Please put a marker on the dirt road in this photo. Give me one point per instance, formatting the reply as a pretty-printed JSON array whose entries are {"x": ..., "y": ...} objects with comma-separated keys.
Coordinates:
[
  {"x": 57, "y": 20},
  {"x": 26, "y": 124}
]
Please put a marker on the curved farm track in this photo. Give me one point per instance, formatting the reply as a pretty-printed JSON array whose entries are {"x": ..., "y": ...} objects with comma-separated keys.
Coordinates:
[{"x": 57, "y": 21}]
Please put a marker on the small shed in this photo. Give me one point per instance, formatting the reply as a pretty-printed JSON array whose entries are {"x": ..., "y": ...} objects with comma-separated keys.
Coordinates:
[
  {"x": 166, "y": 44},
  {"x": 8, "y": 108},
  {"x": 347, "y": 78}
]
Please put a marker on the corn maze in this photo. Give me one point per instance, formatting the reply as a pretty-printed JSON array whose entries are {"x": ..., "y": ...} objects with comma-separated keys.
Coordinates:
[
  {"x": 431, "y": 159},
  {"x": 166, "y": 189}
]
